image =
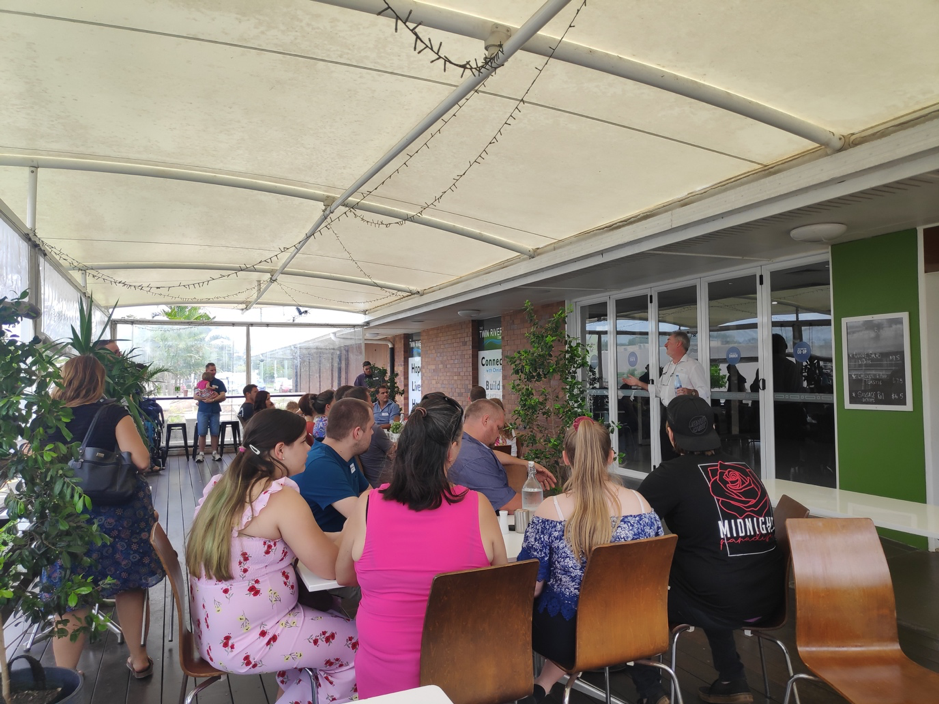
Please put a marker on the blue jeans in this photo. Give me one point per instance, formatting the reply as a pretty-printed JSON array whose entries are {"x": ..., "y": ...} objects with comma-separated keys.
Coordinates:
[{"x": 206, "y": 422}]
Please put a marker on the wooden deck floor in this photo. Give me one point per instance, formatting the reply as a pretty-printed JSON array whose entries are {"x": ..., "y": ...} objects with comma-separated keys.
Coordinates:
[{"x": 176, "y": 490}]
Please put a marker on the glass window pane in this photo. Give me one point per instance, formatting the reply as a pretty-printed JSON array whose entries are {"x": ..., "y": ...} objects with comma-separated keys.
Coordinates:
[
  {"x": 60, "y": 304},
  {"x": 14, "y": 270},
  {"x": 734, "y": 352},
  {"x": 803, "y": 368},
  {"x": 678, "y": 310},
  {"x": 632, "y": 359},
  {"x": 594, "y": 334}
]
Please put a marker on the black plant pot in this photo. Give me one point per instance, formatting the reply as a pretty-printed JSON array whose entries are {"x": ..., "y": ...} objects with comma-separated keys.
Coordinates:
[{"x": 37, "y": 677}]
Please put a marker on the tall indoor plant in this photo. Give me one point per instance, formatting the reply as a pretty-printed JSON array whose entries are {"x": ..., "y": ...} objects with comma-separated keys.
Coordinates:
[
  {"x": 44, "y": 506},
  {"x": 547, "y": 378},
  {"x": 126, "y": 380}
]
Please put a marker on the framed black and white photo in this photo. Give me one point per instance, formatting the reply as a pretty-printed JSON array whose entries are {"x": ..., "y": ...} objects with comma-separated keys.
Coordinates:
[{"x": 877, "y": 374}]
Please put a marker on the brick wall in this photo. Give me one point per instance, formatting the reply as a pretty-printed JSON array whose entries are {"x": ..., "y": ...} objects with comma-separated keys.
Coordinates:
[{"x": 448, "y": 359}]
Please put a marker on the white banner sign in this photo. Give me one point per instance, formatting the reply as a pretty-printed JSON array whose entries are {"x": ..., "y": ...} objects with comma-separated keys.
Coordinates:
[
  {"x": 490, "y": 372},
  {"x": 414, "y": 382}
]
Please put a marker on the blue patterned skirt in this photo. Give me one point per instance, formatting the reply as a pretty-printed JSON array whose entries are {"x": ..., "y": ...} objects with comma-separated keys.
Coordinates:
[{"x": 128, "y": 559}]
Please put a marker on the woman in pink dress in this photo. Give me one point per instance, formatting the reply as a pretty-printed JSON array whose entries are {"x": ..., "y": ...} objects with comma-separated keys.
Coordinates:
[
  {"x": 250, "y": 525},
  {"x": 402, "y": 535}
]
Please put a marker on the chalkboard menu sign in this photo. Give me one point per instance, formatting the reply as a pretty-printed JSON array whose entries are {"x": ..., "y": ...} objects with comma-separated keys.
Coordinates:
[{"x": 877, "y": 362}]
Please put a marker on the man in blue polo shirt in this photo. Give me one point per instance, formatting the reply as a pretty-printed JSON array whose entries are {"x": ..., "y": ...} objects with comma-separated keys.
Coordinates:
[
  {"x": 386, "y": 411},
  {"x": 209, "y": 415},
  {"x": 331, "y": 481},
  {"x": 478, "y": 468}
]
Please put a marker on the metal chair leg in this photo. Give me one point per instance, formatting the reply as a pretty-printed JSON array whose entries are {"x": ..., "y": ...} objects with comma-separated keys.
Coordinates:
[
  {"x": 677, "y": 631},
  {"x": 759, "y": 642},
  {"x": 182, "y": 688},
  {"x": 606, "y": 678},
  {"x": 569, "y": 686},
  {"x": 314, "y": 689},
  {"x": 785, "y": 651},
  {"x": 198, "y": 688},
  {"x": 791, "y": 684},
  {"x": 676, "y": 690}
]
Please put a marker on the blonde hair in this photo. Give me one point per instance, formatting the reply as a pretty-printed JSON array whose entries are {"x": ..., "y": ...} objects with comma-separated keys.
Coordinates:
[
  {"x": 208, "y": 550},
  {"x": 82, "y": 381},
  {"x": 591, "y": 485}
]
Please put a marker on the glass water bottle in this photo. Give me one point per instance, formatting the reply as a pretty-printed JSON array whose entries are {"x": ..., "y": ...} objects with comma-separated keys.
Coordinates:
[{"x": 532, "y": 494}]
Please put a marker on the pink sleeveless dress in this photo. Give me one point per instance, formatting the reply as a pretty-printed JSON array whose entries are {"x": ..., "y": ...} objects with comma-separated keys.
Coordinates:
[
  {"x": 254, "y": 624},
  {"x": 404, "y": 550}
]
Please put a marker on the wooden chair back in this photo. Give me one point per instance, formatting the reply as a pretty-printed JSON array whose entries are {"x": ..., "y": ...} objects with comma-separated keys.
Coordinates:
[
  {"x": 623, "y": 610},
  {"x": 189, "y": 658},
  {"x": 476, "y": 644},
  {"x": 786, "y": 508},
  {"x": 844, "y": 594}
]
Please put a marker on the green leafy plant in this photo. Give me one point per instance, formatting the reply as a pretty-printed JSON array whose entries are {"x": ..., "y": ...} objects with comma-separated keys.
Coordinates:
[
  {"x": 718, "y": 380},
  {"x": 44, "y": 505},
  {"x": 396, "y": 426},
  {"x": 380, "y": 376},
  {"x": 547, "y": 378},
  {"x": 127, "y": 381}
]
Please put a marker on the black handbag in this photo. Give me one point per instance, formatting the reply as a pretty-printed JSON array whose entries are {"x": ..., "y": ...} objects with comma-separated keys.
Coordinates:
[{"x": 106, "y": 476}]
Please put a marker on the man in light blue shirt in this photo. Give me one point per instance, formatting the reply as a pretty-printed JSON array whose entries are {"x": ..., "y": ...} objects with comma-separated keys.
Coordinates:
[{"x": 386, "y": 411}]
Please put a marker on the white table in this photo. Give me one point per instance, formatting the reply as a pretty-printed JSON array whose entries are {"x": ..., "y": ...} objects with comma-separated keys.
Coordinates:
[
  {"x": 314, "y": 582},
  {"x": 431, "y": 694},
  {"x": 905, "y": 516},
  {"x": 513, "y": 544}
]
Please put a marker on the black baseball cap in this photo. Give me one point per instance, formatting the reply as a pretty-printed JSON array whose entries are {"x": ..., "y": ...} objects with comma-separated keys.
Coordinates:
[{"x": 692, "y": 422}]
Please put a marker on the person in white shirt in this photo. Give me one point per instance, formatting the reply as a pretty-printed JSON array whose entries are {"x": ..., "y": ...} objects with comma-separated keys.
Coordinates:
[{"x": 682, "y": 376}]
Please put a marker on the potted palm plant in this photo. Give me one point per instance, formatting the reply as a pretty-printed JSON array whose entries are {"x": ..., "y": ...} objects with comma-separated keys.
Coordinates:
[{"x": 43, "y": 506}]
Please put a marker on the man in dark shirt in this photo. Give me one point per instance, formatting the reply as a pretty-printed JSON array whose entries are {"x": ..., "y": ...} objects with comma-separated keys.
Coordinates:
[
  {"x": 365, "y": 378},
  {"x": 478, "y": 468},
  {"x": 727, "y": 571},
  {"x": 377, "y": 458},
  {"x": 247, "y": 408},
  {"x": 330, "y": 482}
]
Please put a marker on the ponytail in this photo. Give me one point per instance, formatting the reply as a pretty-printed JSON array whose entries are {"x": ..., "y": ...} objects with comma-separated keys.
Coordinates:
[
  {"x": 208, "y": 550},
  {"x": 588, "y": 445}
]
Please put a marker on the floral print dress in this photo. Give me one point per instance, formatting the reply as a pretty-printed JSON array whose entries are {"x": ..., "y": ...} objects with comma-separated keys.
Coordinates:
[{"x": 254, "y": 624}]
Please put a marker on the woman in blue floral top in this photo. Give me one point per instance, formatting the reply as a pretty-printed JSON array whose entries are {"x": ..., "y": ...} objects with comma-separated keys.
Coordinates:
[{"x": 593, "y": 510}]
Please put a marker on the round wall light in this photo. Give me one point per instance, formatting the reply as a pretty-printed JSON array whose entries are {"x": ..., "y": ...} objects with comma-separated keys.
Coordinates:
[
  {"x": 469, "y": 313},
  {"x": 818, "y": 232}
]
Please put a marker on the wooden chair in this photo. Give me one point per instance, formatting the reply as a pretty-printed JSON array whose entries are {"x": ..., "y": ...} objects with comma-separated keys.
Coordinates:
[
  {"x": 785, "y": 509},
  {"x": 189, "y": 659},
  {"x": 622, "y": 615},
  {"x": 846, "y": 618},
  {"x": 476, "y": 644}
]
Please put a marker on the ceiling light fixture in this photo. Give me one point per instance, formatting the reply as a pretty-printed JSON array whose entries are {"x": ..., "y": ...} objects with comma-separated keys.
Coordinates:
[
  {"x": 818, "y": 232},
  {"x": 468, "y": 313}
]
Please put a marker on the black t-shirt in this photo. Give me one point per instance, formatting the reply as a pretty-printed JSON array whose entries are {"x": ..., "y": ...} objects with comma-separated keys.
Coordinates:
[
  {"x": 726, "y": 558},
  {"x": 245, "y": 412},
  {"x": 103, "y": 435}
]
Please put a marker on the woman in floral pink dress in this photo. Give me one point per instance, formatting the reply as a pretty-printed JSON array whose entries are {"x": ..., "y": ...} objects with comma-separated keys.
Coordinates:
[{"x": 250, "y": 525}]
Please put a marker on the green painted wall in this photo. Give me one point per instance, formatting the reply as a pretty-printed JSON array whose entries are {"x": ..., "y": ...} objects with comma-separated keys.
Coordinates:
[{"x": 880, "y": 452}]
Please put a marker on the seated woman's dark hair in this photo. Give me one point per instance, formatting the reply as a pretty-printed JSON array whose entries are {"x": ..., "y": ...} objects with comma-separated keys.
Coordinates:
[
  {"x": 419, "y": 474},
  {"x": 260, "y": 401},
  {"x": 306, "y": 404},
  {"x": 322, "y": 400},
  {"x": 208, "y": 550}
]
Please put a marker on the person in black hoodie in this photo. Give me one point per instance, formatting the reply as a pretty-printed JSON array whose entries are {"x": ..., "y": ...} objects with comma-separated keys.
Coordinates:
[{"x": 727, "y": 572}]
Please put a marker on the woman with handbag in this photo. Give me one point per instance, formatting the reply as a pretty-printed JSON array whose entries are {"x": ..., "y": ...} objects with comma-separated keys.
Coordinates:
[{"x": 107, "y": 429}]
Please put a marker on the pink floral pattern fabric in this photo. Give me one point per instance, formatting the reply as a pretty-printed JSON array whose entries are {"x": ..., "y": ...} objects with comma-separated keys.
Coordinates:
[{"x": 254, "y": 624}]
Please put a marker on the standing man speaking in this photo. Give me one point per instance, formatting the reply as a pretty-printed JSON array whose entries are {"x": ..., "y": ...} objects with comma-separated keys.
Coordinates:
[
  {"x": 208, "y": 416},
  {"x": 682, "y": 376}
]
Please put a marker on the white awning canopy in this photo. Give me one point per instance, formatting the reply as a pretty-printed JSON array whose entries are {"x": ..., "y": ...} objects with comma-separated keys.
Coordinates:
[{"x": 184, "y": 148}]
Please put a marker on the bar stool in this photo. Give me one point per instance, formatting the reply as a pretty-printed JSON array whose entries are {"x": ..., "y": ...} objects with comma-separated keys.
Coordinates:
[
  {"x": 170, "y": 427},
  {"x": 235, "y": 434}
]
